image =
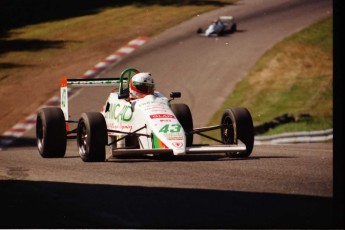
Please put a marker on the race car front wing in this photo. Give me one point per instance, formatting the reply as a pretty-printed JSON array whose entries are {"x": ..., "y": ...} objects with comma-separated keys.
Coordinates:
[
  {"x": 239, "y": 146},
  {"x": 194, "y": 149}
]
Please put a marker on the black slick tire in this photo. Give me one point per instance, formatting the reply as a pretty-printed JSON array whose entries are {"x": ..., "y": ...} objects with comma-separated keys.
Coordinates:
[
  {"x": 233, "y": 28},
  {"x": 239, "y": 125},
  {"x": 184, "y": 116},
  {"x": 51, "y": 134},
  {"x": 92, "y": 137}
]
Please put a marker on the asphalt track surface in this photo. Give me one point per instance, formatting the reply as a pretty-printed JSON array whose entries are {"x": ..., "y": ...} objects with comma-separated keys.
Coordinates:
[{"x": 277, "y": 186}]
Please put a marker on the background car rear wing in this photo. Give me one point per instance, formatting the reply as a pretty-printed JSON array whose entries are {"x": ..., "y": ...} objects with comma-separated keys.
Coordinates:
[
  {"x": 67, "y": 84},
  {"x": 226, "y": 18}
]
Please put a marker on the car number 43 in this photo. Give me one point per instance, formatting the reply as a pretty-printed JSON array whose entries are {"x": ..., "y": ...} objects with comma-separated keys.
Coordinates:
[{"x": 174, "y": 128}]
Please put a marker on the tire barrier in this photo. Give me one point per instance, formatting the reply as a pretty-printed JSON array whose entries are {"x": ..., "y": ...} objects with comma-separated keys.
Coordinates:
[
  {"x": 296, "y": 137},
  {"x": 293, "y": 137},
  {"x": 282, "y": 119}
]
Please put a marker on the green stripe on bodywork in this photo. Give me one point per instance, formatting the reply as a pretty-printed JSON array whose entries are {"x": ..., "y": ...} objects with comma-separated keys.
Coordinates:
[{"x": 156, "y": 143}]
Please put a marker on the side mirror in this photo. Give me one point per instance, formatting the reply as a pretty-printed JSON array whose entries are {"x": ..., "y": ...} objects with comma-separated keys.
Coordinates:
[{"x": 174, "y": 95}]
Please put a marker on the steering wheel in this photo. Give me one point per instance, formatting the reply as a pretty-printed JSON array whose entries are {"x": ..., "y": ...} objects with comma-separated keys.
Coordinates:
[{"x": 123, "y": 76}]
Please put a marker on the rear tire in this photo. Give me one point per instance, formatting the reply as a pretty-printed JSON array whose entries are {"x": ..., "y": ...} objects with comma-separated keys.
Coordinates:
[
  {"x": 51, "y": 133},
  {"x": 184, "y": 116},
  {"x": 92, "y": 137},
  {"x": 239, "y": 126},
  {"x": 233, "y": 28}
]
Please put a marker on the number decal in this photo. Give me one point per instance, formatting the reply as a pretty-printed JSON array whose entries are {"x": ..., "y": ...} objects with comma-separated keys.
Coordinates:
[
  {"x": 63, "y": 98},
  {"x": 164, "y": 129},
  {"x": 175, "y": 128}
]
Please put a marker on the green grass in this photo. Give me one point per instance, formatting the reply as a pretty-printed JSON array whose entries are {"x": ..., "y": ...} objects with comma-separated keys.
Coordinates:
[{"x": 294, "y": 77}]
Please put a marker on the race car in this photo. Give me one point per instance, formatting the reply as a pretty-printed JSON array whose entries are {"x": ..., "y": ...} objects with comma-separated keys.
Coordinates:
[
  {"x": 219, "y": 27},
  {"x": 151, "y": 125}
]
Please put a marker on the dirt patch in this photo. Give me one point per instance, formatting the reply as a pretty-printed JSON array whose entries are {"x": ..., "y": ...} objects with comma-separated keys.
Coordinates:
[{"x": 33, "y": 86}]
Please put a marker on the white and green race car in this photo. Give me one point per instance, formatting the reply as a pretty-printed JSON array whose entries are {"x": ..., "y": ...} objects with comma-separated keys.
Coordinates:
[{"x": 152, "y": 125}]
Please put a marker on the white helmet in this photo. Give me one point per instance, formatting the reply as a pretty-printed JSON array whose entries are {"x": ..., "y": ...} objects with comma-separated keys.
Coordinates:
[{"x": 141, "y": 84}]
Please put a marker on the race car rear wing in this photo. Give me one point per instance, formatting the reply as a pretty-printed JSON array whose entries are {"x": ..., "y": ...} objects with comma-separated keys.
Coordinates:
[
  {"x": 68, "y": 83},
  {"x": 226, "y": 18}
]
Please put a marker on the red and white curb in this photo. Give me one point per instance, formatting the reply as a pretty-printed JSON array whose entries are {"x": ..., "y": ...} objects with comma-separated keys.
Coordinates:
[
  {"x": 115, "y": 57},
  {"x": 29, "y": 122}
]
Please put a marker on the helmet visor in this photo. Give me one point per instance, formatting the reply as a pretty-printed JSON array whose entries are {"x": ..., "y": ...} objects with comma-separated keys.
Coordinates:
[{"x": 147, "y": 88}]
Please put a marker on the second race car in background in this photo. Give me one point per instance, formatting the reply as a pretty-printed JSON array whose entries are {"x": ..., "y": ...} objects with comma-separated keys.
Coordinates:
[{"x": 221, "y": 26}]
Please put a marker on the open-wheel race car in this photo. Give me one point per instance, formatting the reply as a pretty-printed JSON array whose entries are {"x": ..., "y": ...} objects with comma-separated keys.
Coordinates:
[
  {"x": 221, "y": 26},
  {"x": 150, "y": 125}
]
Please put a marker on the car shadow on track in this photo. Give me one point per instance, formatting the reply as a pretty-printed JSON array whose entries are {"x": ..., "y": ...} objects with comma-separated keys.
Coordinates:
[
  {"x": 31, "y": 142},
  {"x": 37, "y": 204},
  {"x": 166, "y": 158},
  {"x": 229, "y": 32},
  {"x": 20, "y": 142},
  {"x": 186, "y": 158},
  {"x": 23, "y": 142}
]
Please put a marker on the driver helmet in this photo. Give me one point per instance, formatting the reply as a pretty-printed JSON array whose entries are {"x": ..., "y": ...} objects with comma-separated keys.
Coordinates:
[
  {"x": 141, "y": 85},
  {"x": 217, "y": 20}
]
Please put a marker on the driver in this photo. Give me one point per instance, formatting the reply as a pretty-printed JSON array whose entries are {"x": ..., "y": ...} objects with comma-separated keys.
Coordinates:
[
  {"x": 218, "y": 22},
  {"x": 141, "y": 85}
]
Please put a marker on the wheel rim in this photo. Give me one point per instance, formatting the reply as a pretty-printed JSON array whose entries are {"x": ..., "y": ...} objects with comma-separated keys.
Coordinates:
[
  {"x": 228, "y": 131},
  {"x": 40, "y": 134},
  {"x": 82, "y": 138}
]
